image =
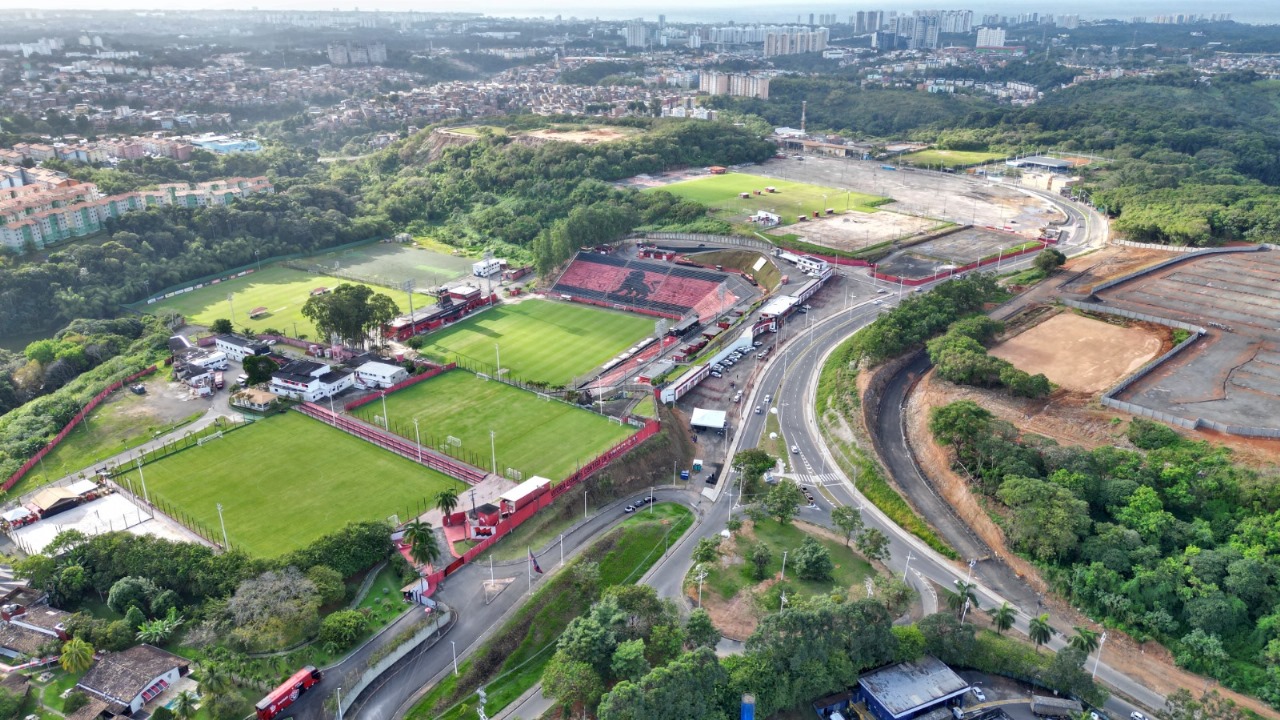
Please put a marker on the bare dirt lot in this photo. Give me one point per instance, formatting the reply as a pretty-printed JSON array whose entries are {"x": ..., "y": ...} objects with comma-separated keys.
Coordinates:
[
  {"x": 582, "y": 137},
  {"x": 1079, "y": 353},
  {"x": 854, "y": 231},
  {"x": 1232, "y": 376}
]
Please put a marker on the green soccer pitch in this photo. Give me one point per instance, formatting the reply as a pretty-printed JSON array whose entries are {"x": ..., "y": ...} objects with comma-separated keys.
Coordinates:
[
  {"x": 281, "y": 290},
  {"x": 287, "y": 480},
  {"x": 722, "y": 193},
  {"x": 539, "y": 340},
  {"x": 531, "y": 434}
]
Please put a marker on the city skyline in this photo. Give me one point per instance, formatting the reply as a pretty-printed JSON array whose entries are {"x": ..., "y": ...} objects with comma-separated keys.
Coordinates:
[{"x": 705, "y": 10}]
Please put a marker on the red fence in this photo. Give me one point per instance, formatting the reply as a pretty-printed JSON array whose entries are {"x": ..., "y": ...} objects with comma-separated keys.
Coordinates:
[
  {"x": 396, "y": 444},
  {"x": 80, "y": 416},
  {"x": 651, "y": 428},
  {"x": 414, "y": 380}
]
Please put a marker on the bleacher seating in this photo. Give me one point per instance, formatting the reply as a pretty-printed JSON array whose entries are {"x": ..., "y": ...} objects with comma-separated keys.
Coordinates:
[{"x": 664, "y": 288}]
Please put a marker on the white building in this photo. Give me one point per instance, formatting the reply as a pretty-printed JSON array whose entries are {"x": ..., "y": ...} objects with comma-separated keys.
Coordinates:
[
  {"x": 991, "y": 37},
  {"x": 485, "y": 268},
  {"x": 128, "y": 680},
  {"x": 309, "y": 381},
  {"x": 811, "y": 265},
  {"x": 379, "y": 375},
  {"x": 238, "y": 348}
]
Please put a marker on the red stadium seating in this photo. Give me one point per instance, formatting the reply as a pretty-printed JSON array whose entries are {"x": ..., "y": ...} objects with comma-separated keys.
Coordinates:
[{"x": 665, "y": 289}]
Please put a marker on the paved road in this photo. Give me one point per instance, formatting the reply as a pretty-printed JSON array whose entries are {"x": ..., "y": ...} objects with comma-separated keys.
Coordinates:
[{"x": 463, "y": 592}]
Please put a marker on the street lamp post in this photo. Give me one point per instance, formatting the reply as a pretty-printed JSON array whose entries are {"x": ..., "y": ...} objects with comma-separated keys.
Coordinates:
[
  {"x": 784, "y": 566},
  {"x": 493, "y": 451},
  {"x": 910, "y": 557},
  {"x": 338, "y": 694},
  {"x": 417, "y": 437},
  {"x": 455, "y": 657},
  {"x": 386, "y": 421},
  {"x": 225, "y": 545},
  {"x": 497, "y": 352},
  {"x": 1102, "y": 640}
]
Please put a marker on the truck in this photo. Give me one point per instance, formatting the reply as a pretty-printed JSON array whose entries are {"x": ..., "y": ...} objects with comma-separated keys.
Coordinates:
[
  {"x": 1052, "y": 707},
  {"x": 287, "y": 693},
  {"x": 218, "y": 380}
]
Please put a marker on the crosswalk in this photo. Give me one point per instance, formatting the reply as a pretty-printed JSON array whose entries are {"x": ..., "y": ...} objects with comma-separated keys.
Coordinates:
[{"x": 821, "y": 480}]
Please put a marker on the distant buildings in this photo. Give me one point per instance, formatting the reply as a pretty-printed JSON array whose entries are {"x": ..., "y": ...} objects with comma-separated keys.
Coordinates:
[
  {"x": 717, "y": 83},
  {"x": 349, "y": 54},
  {"x": 224, "y": 145},
  {"x": 989, "y": 37},
  {"x": 39, "y": 207},
  {"x": 795, "y": 40},
  {"x": 637, "y": 34}
]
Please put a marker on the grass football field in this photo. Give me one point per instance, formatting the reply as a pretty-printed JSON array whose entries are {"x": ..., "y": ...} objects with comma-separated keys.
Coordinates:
[
  {"x": 287, "y": 480},
  {"x": 539, "y": 340},
  {"x": 721, "y": 194},
  {"x": 950, "y": 158},
  {"x": 283, "y": 291},
  {"x": 532, "y": 435}
]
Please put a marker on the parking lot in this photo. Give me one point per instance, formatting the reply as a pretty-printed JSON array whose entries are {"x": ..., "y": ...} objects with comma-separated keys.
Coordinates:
[
  {"x": 949, "y": 251},
  {"x": 1232, "y": 375}
]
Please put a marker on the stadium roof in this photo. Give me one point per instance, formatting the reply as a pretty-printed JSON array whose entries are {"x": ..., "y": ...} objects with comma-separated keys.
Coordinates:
[
  {"x": 908, "y": 687},
  {"x": 713, "y": 419}
]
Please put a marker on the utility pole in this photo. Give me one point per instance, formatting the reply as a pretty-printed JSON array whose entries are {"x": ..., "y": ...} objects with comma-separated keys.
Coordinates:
[
  {"x": 455, "y": 657},
  {"x": 417, "y": 437},
  {"x": 145, "y": 497},
  {"x": 497, "y": 351},
  {"x": 338, "y": 694},
  {"x": 702, "y": 575},
  {"x": 784, "y": 566},
  {"x": 231, "y": 301},
  {"x": 386, "y": 420}
]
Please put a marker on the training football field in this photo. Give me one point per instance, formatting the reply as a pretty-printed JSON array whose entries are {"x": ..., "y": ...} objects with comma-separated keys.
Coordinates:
[
  {"x": 532, "y": 435},
  {"x": 281, "y": 290},
  {"x": 539, "y": 340},
  {"x": 721, "y": 193},
  {"x": 287, "y": 480}
]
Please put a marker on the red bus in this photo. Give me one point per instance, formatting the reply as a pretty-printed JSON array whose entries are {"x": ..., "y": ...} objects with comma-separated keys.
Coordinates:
[{"x": 285, "y": 695}]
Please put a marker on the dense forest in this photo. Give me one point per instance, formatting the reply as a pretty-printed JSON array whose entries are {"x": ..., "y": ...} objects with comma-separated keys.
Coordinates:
[
  {"x": 1196, "y": 159},
  {"x": 1173, "y": 541}
]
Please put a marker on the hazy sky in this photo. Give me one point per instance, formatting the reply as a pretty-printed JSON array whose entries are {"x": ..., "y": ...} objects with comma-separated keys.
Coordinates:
[{"x": 1259, "y": 11}]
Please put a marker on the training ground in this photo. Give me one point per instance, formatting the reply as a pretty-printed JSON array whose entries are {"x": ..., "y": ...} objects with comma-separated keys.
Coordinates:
[
  {"x": 287, "y": 480},
  {"x": 532, "y": 435},
  {"x": 540, "y": 341},
  {"x": 721, "y": 193}
]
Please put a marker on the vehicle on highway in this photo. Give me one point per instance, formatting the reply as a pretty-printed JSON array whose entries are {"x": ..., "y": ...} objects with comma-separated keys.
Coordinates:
[
  {"x": 767, "y": 398},
  {"x": 288, "y": 691},
  {"x": 758, "y": 410},
  {"x": 795, "y": 449},
  {"x": 882, "y": 291},
  {"x": 1056, "y": 707},
  {"x": 877, "y": 302}
]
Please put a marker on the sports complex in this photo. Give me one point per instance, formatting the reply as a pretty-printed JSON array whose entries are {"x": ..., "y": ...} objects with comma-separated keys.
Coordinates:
[{"x": 724, "y": 194}]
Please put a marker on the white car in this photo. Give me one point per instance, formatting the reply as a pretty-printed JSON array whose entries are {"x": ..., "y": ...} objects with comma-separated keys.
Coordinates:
[
  {"x": 1135, "y": 715},
  {"x": 795, "y": 449},
  {"x": 977, "y": 693},
  {"x": 767, "y": 398}
]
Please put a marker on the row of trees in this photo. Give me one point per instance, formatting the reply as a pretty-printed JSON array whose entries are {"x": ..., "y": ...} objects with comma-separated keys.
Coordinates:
[
  {"x": 920, "y": 317},
  {"x": 1174, "y": 541},
  {"x": 960, "y": 356}
]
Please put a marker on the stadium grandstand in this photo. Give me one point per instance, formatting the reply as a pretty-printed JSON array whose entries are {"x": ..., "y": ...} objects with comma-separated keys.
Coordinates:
[{"x": 653, "y": 288}]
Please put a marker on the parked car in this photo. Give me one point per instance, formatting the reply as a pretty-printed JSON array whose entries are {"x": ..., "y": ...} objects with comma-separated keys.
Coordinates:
[
  {"x": 1135, "y": 715},
  {"x": 715, "y": 374},
  {"x": 629, "y": 509},
  {"x": 756, "y": 344},
  {"x": 138, "y": 389},
  {"x": 242, "y": 379},
  {"x": 977, "y": 693}
]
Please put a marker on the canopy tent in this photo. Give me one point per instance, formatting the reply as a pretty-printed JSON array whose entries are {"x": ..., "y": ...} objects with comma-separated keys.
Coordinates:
[{"x": 713, "y": 419}]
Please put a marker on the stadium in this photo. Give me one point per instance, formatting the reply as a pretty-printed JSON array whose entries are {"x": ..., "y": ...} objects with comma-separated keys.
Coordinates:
[{"x": 660, "y": 289}]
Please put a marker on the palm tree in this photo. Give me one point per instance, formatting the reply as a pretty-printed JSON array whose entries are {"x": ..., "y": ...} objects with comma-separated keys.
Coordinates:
[
  {"x": 1002, "y": 618},
  {"x": 1084, "y": 639},
  {"x": 964, "y": 593},
  {"x": 184, "y": 705},
  {"x": 214, "y": 680},
  {"x": 156, "y": 632},
  {"x": 1040, "y": 630},
  {"x": 421, "y": 539},
  {"x": 77, "y": 656},
  {"x": 447, "y": 501}
]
